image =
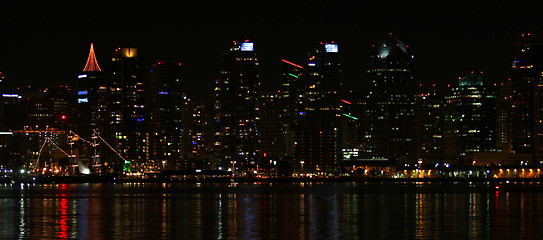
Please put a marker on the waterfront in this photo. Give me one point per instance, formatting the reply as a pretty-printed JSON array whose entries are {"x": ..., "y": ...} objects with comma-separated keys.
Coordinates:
[{"x": 253, "y": 210}]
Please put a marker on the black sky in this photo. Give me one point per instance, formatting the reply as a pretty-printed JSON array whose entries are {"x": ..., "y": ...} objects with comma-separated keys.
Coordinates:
[{"x": 46, "y": 42}]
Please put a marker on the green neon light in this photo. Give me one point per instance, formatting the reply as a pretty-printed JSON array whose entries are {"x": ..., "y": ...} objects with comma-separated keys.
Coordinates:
[
  {"x": 349, "y": 116},
  {"x": 293, "y": 75}
]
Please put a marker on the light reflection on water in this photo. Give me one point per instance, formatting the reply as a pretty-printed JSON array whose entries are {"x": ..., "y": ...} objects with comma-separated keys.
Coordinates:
[{"x": 271, "y": 211}]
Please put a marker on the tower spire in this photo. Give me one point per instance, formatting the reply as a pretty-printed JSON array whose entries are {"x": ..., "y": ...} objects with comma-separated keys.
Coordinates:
[{"x": 92, "y": 64}]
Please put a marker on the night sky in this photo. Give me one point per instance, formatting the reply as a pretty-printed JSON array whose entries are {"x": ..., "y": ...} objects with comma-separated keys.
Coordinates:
[{"x": 46, "y": 42}]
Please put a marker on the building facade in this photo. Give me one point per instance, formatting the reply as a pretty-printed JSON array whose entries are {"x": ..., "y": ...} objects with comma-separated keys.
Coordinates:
[
  {"x": 471, "y": 118},
  {"x": 126, "y": 124},
  {"x": 390, "y": 112},
  {"x": 164, "y": 108},
  {"x": 317, "y": 135},
  {"x": 235, "y": 103},
  {"x": 527, "y": 100}
]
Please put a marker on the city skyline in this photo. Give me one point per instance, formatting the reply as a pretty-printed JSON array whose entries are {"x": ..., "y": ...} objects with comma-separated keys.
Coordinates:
[{"x": 464, "y": 38}]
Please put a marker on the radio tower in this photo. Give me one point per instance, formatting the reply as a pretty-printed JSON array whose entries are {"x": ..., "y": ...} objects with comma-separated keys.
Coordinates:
[{"x": 92, "y": 64}]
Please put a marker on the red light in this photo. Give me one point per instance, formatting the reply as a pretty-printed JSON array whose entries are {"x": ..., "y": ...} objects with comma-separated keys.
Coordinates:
[
  {"x": 296, "y": 65},
  {"x": 63, "y": 117},
  {"x": 345, "y": 101}
]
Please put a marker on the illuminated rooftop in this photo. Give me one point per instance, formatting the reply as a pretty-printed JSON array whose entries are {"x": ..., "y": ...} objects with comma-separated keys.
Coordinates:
[
  {"x": 389, "y": 43},
  {"x": 92, "y": 63}
]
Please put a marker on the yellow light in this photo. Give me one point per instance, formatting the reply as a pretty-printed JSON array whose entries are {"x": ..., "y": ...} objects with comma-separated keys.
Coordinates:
[{"x": 130, "y": 52}]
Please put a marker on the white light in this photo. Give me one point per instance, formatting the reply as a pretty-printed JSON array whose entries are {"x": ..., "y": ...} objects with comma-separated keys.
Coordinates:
[
  {"x": 82, "y": 76},
  {"x": 247, "y": 46},
  {"x": 331, "y": 48}
]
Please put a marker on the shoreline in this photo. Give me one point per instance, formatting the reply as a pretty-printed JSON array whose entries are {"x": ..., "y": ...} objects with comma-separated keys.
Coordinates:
[{"x": 113, "y": 179}]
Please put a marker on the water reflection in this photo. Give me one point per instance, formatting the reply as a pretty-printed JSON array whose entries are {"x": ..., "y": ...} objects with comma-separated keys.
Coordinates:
[{"x": 270, "y": 211}]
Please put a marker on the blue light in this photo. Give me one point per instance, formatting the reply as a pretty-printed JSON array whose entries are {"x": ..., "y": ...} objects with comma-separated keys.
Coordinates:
[
  {"x": 163, "y": 93},
  {"x": 82, "y": 100},
  {"x": 331, "y": 48},
  {"x": 85, "y": 92},
  {"x": 247, "y": 46},
  {"x": 140, "y": 119}
]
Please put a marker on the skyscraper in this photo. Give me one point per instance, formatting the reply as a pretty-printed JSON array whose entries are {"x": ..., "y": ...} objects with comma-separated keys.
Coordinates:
[
  {"x": 470, "y": 118},
  {"x": 165, "y": 102},
  {"x": 197, "y": 133},
  {"x": 90, "y": 108},
  {"x": 430, "y": 126},
  {"x": 504, "y": 115},
  {"x": 126, "y": 107},
  {"x": 272, "y": 136},
  {"x": 391, "y": 102},
  {"x": 236, "y": 134},
  {"x": 317, "y": 134},
  {"x": 290, "y": 91},
  {"x": 527, "y": 100}
]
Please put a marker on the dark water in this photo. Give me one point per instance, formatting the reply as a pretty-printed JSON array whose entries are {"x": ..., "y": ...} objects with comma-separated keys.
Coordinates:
[{"x": 272, "y": 211}]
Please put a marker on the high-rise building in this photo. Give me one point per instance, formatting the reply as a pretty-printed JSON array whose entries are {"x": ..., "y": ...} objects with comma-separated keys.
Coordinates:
[
  {"x": 48, "y": 108},
  {"x": 317, "y": 136},
  {"x": 272, "y": 138},
  {"x": 527, "y": 100},
  {"x": 504, "y": 116},
  {"x": 126, "y": 108},
  {"x": 291, "y": 84},
  {"x": 429, "y": 126},
  {"x": 352, "y": 113},
  {"x": 11, "y": 117},
  {"x": 197, "y": 132},
  {"x": 390, "y": 105},
  {"x": 10, "y": 108},
  {"x": 235, "y": 99},
  {"x": 470, "y": 118},
  {"x": 91, "y": 106},
  {"x": 165, "y": 102}
]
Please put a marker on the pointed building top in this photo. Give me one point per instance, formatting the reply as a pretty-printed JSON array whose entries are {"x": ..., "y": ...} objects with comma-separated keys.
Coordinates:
[
  {"x": 387, "y": 44},
  {"x": 92, "y": 63}
]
